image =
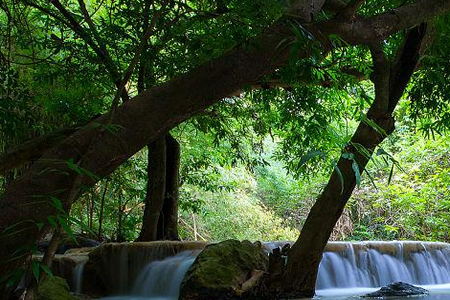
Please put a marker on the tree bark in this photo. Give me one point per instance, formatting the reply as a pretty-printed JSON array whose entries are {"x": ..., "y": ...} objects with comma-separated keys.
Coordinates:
[
  {"x": 170, "y": 208},
  {"x": 156, "y": 186},
  {"x": 161, "y": 204},
  {"x": 100, "y": 147},
  {"x": 300, "y": 274}
]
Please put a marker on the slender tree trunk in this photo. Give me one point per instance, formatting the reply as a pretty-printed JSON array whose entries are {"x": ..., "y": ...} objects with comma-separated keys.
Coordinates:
[
  {"x": 120, "y": 237},
  {"x": 170, "y": 208},
  {"x": 299, "y": 279},
  {"x": 91, "y": 211},
  {"x": 156, "y": 186},
  {"x": 47, "y": 260},
  {"x": 102, "y": 207}
]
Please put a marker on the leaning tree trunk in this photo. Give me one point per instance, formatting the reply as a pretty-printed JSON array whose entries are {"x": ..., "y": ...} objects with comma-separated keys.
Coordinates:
[
  {"x": 170, "y": 208},
  {"x": 156, "y": 186},
  {"x": 300, "y": 273}
]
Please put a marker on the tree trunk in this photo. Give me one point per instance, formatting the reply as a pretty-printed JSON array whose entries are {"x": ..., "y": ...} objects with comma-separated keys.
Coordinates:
[
  {"x": 156, "y": 186},
  {"x": 299, "y": 278},
  {"x": 170, "y": 208},
  {"x": 168, "y": 216},
  {"x": 101, "y": 213},
  {"x": 119, "y": 237}
]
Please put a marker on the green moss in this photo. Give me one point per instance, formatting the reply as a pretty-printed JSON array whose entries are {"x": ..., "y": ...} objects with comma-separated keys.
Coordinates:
[
  {"x": 222, "y": 268},
  {"x": 54, "y": 288}
]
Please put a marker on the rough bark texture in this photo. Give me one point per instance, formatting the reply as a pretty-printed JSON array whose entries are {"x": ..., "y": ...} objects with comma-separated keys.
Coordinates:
[
  {"x": 301, "y": 270},
  {"x": 156, "y": 186},
  {"x": 27, "y": 201}
]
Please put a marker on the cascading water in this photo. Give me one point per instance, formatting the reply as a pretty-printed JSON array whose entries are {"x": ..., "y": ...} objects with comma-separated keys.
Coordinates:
[
  {"x": 346, "y": 269},
  {"x": 374, "y": 264},
  {"x": 161, "y": 279},
  {"x": 78, "y": 275}
]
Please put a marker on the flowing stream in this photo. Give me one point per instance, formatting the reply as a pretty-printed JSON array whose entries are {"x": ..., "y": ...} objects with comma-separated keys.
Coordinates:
[{"x": 347, "y": 269}]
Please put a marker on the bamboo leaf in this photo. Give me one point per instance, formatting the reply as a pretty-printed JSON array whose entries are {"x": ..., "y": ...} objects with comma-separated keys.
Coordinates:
[
  {"x": 340, "y": 176},
  {"x": 355, "y": 168},
  {"x": 308, "y": 156},
  {"x": 67, "y": 228},
  {"x": 46, "y": 270},
  {"x": 390, "y": 174},
  {"x": 372, "y": 181},
  {"x": 35, "y": 269}
]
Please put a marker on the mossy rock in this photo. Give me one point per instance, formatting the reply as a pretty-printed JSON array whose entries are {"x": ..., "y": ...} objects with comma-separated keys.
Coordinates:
[
  {"x": 220, "y": 270},
  {"x": 54, "y": 288}
]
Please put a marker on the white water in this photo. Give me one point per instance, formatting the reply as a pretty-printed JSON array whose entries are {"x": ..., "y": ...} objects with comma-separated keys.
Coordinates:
[
  {"x": 437, "y": 292},
  {"x": 378, "y": 264},
  {"x": 78, "y": 276},
  {"x": 346, "y": 270},
  {"x": 160, "y": 280}
]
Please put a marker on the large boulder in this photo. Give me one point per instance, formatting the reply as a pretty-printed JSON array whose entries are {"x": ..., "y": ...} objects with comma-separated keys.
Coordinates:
[
  {"x": 227, "y": 270},
  {"x": 398, "y": 289},
  {"x": 54, "y": 288}
]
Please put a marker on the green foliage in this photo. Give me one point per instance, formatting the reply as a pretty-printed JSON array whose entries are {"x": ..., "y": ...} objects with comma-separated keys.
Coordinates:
[
  {"x": 414, "y": 203},
  {"x": 238, "y": 214},
  {"x": 289, "y": 198},
  {"x": 430, "y": 90},
  {"x": 122, "y": 195}
]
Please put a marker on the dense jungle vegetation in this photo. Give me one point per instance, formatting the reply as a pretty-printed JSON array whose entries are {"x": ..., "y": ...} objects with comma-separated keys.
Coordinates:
[
  {"x": 216, "y": 119},
  {"x": 405, "y": 201}
]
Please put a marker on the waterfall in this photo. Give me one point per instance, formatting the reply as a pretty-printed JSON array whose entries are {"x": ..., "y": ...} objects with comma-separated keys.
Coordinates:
[
  {"x": 121, "y": 264},
  {"x": 374, "y": 264},
  {"x": 162, "y": 279},
  {"x": 347, "y": 267},
  {"x": 78, "y": 274}
]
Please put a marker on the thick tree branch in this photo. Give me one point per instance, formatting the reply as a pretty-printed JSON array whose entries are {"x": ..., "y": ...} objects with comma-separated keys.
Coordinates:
[
  {"x": 335, "y": 6},
  {"x": 349, "y": 11},
  {"x": 380, "y": 78},
  {"x": 304, "y": 9},
  {"x": 366, "y": 31}
]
